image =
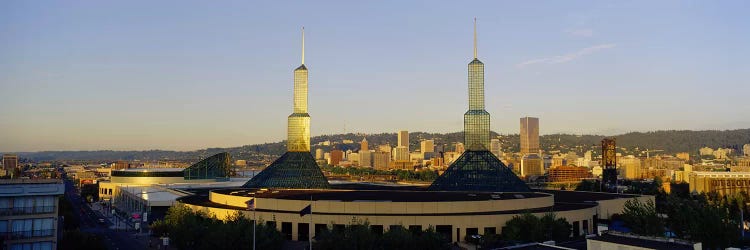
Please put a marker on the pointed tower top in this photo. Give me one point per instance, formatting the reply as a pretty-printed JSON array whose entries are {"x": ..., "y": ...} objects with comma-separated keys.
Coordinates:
[
  {"x": 475, "y": 38},
  {"x": 303, "y": 45}
]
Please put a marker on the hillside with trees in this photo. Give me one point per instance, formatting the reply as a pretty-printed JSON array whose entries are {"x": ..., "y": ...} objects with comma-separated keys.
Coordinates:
[{"x": 671, "y": 141}]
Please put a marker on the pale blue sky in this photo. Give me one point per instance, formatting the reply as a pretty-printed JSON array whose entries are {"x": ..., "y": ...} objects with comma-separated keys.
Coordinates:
[{"x": 194, "y": 74}]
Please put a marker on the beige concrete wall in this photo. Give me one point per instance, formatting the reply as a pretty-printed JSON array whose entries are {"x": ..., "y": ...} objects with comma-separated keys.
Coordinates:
[
  {"x": 609, "y": 207},
  {"x": 386, "y": 207},
  {"x": 395, "y": 213}
]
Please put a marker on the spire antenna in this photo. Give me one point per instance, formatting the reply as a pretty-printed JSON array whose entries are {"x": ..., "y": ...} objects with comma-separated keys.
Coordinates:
[
  {"x": 303, "y": 45},
  {"x": 475, "y": 38}
]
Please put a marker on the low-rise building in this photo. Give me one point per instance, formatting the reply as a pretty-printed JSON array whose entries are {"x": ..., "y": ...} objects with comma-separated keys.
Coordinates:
[
  {"x": 568, "y": 174},
  {"x": 724, "y": 183}
]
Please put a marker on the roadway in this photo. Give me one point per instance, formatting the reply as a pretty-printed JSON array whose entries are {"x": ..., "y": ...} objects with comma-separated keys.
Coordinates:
[{"x": 116, "y": 238}]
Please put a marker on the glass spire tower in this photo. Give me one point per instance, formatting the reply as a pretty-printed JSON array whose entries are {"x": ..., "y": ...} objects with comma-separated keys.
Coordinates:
[
  {"x": 477, "y": 169},
  {"x": 476, "y": 119},
  {"x": 298, "y": 128},
  {"x": 296, "y": 168}
]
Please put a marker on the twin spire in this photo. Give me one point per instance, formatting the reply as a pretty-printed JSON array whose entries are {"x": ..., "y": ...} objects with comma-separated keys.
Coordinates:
[{"x": 475, "y": 38}]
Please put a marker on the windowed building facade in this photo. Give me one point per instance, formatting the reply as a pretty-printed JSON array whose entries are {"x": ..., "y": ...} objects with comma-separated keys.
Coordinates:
[{"x": 29, "y": 213}]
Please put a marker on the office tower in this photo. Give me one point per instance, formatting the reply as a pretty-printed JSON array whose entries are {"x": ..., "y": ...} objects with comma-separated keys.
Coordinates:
[
  {"x": 299, "y": 121},
  {"x": 385, "y": 148},
  {"x": 476, "y": 119},
  {"x": 365, "y": 158},
  {"x": 588, "y": 155},
  {"x": 10, "y": 162},
  {"x": 426, "y": 146},
  {"x": 30, "y": 213},
  {"x": 532, "y": 165},
  {"x": 477, "y": 169},
  {"x": 403, "y": 139},
  {"x": 401, "y": 153},
  {"x": 363, "y": 146},
  {"x": 336, "y": 157},
  {"x": 297, "y": 167},
  {"x": 495, "y": 147},
  {"x": 529, "y": 135},
  {"x": 319, "y": 154},
  {"x": 381, "y": 160},
  {"x": 609, "y": 161}
]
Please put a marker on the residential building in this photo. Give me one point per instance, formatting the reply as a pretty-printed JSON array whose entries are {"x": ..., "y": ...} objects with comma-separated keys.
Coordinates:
[{"x": 29, "y": 213}]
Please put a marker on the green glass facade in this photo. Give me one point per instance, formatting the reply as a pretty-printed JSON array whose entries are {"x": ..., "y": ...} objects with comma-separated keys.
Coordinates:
[
  {"x": 298, "y": 126},
  {"x": 476, "y": 119},
  {"x": 291, "y": 170},
  {"x": 478, "y": 171},
  {"x": 214, "y": 167}
]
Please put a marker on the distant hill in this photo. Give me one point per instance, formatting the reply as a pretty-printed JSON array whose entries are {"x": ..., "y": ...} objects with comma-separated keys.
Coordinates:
[{"x": 671, "y": 141}]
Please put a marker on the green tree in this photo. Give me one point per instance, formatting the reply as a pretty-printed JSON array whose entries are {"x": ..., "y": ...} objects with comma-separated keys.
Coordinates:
[
  {"x": 530, "y": 228},
  {"x": 642, "y": 218}
]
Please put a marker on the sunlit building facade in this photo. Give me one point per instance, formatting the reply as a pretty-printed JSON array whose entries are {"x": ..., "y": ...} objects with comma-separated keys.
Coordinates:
[{"x": 529, "y": 135}]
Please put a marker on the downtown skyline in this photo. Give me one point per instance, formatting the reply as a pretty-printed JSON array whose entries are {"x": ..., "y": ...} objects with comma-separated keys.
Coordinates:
[{"x": 229, "y": 86}]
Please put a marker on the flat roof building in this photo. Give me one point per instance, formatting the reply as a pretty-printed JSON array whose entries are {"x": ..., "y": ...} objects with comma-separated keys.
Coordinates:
[{"x": 29, "y": 213}]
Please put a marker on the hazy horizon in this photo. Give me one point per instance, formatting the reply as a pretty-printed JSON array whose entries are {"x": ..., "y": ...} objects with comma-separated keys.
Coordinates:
[
  {"x": 140, "y": 75},
  {"x": 277, "y": 141}
]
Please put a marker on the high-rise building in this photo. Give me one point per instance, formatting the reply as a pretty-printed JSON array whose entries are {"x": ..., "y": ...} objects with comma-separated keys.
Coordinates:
[
  {"x": 427, "y": 146},
  {"x": 495, "y": 147},
  {"x": 363, "y": 146},
  {"x": 296, "y": 168},
  {"x": 529, "y": 135},
  {"x": 385, "y": 148},
  {"x": 365, "y": 158},
  {"x": 401, "y": 153},
  {"x": 746, "y": 149},
  {"x": 631, "y": 168},
  {"x": 403, "y": 139},
  {"x": 298, "y": 130},
  {"x": 532, "y": 165},
  {"x": 336, "y": 157},
  {"x": 476, "y": 119},
  {"x": 381, "y": 160},
  {"x": 10, "y": 162},
  {"x": 477, "y": 169},
  {"x": 609, "y": 161}
]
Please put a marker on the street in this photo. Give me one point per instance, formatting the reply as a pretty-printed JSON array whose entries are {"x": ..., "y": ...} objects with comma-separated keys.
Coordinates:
[{"x": 122, "y": 237}]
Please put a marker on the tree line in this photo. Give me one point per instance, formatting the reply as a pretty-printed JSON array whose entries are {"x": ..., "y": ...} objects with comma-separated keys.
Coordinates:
[{"x": 188, "y": 229}]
